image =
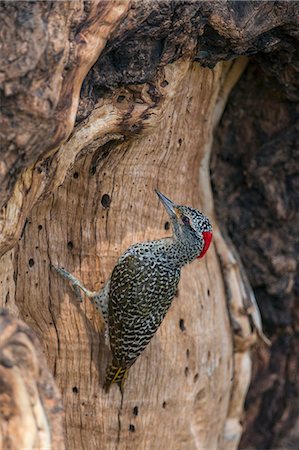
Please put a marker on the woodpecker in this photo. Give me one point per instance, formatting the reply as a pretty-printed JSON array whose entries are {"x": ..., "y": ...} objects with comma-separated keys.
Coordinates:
[{"x": 143, "y": 283}]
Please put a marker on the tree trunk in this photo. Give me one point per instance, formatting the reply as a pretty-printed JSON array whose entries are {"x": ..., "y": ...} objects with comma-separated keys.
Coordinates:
[
  {"x": 263, "y": 221},
  {"x": 31, "y": 408},
  {"x": 78, "y": 196}
]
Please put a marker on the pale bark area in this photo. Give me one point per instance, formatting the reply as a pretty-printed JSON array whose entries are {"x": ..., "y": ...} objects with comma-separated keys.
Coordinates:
[
  {"x": 30, "y": 404},
  {"x": 187, "y": 390},
  {"x": 59, "y": 91},
  {"x": 189, "y": 376}
]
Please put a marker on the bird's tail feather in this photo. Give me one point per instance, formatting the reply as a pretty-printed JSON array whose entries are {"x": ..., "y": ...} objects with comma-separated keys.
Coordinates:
[{"x": 115, "y": 374}]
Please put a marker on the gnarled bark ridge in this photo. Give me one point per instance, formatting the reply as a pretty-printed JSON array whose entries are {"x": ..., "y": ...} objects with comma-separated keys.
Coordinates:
[
  {"x": 112, "y": 101},
  {"x": 31, "y": 408}
]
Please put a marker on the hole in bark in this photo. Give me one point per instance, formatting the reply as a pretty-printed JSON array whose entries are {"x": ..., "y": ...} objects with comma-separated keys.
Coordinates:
[
  {"x": 164, "y": 405},
  {"x": 200, "y": 395},
  {"x": 186, "y": 371},
  {"x": 164, "y": 83},
  {"x": 182, "y": 325},
  {"x": 196, "y": 376},
  {"x": 93, "y": 170},
  {"x": 208, "y": 292},
  {"x": 135, "y": 411},
  {"x": 106, "y": 200},
  {"x": 180, "y": 141},
  {"x": 31, "y": 262},
  {"x": 76, "y": 175},
  {"x": 187, "y": 352},
  {"x": 6, "y": 362},
  {"x": 75, "y": 390},
  {"x": 131, "y": 428},
  {"x": 70, "y": 245},
  {"x": 120, "y": 98},
  {"x": 40, "y": 227},
  {"x": 166, "y": 226}
]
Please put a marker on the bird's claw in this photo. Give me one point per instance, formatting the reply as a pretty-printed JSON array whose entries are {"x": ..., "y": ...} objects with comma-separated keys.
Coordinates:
[
  {"x": 76, "y": 289},
  {"x": 71, "y": 279}
]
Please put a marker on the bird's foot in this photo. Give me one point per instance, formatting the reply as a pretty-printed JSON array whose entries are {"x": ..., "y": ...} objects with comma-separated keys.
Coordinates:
[{"x": 75, "y": 283}]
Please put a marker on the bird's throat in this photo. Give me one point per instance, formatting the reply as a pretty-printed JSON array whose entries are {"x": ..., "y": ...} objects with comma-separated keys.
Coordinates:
[{"x": 185, "y": 251}]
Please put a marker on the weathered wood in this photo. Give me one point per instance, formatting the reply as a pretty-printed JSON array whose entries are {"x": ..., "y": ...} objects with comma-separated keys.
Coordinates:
[
  {"x": 185, "y": 373},
  {"x": 38, "y": 106},
  {"x": 47, "y": 50},
  {"x": 31, "y": 413},
  {"x": 256, "y": 148},
  {"x": 145, "y": 119}
]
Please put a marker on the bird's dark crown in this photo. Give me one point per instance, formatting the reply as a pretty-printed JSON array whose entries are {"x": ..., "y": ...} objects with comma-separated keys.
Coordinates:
[{"x": 193, "y": 218}]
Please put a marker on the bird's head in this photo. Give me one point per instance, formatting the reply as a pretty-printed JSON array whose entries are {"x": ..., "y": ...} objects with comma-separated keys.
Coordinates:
[{"x": 189, "y": 223}]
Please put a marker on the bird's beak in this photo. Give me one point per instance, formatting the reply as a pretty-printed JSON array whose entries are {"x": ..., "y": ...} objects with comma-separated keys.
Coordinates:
[{"x": 168, "y": 204}]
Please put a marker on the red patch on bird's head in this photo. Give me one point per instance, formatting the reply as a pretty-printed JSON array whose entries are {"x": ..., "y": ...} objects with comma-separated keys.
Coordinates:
[{"x": 207, "y": 237}]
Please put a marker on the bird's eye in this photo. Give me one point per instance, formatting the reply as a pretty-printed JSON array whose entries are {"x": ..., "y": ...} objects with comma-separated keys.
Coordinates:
[{"x": 185, "y": 220}]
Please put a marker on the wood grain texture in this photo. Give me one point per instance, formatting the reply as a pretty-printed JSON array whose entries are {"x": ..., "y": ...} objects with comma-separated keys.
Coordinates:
[
  {"x": 42, "y": 137},
  {"x": 186, "y": 375},
  {"x": 30, "y": 405},
  {"x": 146, "y": 117},
  {"x": 258, "y": 152},
  {"x": 47, "y": 50}
]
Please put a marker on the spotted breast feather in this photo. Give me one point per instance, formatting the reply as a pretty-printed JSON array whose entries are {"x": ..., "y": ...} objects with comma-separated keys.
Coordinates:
[{"x": 141, "y": 291}]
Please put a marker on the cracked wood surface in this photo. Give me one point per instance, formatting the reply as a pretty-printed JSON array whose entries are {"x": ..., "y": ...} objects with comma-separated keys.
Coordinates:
[
  {"x": 30, "y": 404},
  {"x": 261, "y": 155},
  {"x": 188, "y": 373},
  {"x": 47, "y": 50},
  {"x": 74, "y": 225},
  {"x": 49, "y": 47}
]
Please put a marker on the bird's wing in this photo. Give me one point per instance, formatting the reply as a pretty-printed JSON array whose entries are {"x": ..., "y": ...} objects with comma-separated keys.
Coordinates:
[{"x": 139, "y": 297}]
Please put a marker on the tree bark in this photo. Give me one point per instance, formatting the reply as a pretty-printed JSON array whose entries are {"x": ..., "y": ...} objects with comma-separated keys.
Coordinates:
[
  {"x": 31, "y": 408},
  {"x": 261, "y": 155},
  {"x": 79, "y": 196}
]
